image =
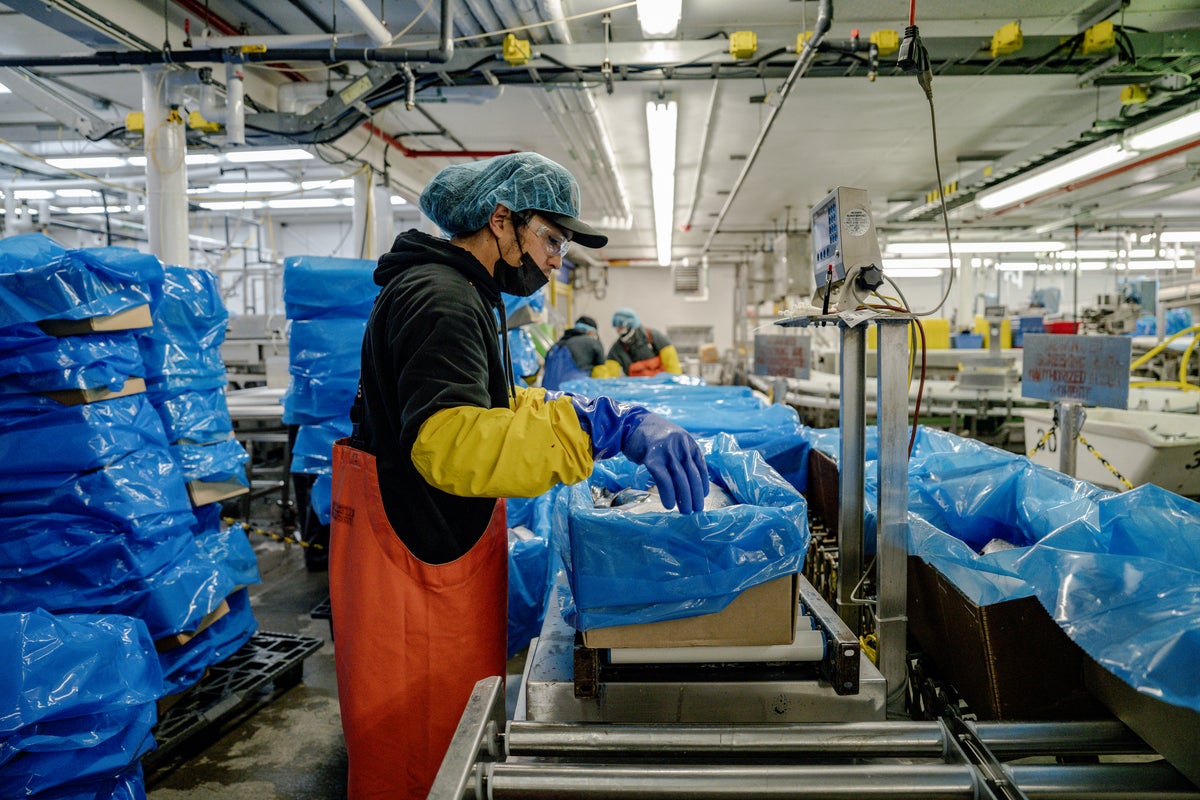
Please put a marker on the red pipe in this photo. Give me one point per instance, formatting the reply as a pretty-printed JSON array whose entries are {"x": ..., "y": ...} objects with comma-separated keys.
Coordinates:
[
  {"x": 226, "y": 28},
  {"x": 410, "y": 153},
  {"x": 1079, "y": 184}
]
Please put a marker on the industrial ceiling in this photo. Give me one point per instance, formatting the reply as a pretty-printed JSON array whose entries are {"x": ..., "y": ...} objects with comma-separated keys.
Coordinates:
[{"x": 763, "y": 132}]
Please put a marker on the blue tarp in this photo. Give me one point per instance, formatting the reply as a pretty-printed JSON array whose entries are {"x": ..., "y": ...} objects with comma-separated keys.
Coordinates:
[
  {"x": 316, "y": 286},
  {"x": 182, "y": 351},
  {"x": 33, "y": 361},
  {"x": 666, "y": 565}
]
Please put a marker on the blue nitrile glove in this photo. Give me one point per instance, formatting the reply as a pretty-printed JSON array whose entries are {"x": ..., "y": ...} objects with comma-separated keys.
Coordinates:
[{"x": 672, "y": 456}]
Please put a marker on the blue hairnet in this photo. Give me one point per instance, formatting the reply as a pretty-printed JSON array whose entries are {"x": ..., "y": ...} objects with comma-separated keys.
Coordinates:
[
  {"x": 626, "y": 318},
  {"x": 461, "y": 197}
]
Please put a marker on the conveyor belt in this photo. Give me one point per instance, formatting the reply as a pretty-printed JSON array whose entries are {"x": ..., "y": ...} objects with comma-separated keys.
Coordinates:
[{"x": 950, "y": 758}]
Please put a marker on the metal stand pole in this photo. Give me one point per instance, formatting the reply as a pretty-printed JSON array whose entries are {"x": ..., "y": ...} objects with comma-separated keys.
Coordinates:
[
  {"x": 891, "y": 541},
  {"x": 851, "y": 466},
  {"x": 1070, "y": 419}
]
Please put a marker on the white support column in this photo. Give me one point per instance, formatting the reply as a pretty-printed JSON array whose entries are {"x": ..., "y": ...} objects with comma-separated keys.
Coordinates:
[
  {"x": 372, "y": 229},
  {"x": 166, "y": 170}
]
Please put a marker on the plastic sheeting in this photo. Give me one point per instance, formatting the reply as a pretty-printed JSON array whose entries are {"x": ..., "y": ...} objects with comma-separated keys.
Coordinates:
[
  {"x": 185, "y": 665},
  {"x": 182, "y": 350},
  {"x": 528, "y": 579},
  {"x": 1125, "y": 586},
  {"x": 41, "y": 441},
  {"x": 77, "y": 696},
  {"x": 315, "y": 287},
  {"x": 667, "y": 565},
  {"x": 200, "y": 417},
  {"x": 525, "y": 360},
  {"x": 220, "y": 461},
  {"x": 33, "y": 361},
  {"x": 40, "y": 279}
]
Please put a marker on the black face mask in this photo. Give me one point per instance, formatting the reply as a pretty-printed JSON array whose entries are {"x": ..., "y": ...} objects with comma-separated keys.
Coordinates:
[{"x": 522, "y": 280}]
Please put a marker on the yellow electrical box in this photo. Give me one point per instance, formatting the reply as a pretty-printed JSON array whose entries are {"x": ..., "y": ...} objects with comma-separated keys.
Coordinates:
[
  {"x": 1134, "y": 94},
  {"x": 198, "y": 123},
  {"x": 802, "y": 39},
  {"x": 135, "y": 121},
  {"x": 1007, "y": 40},
  {"x": 254, "y": 48},
  {"x": 743, "y": 44},
  {"x": 888, "y": 42},
  {"x": 516, "y": 51},
  {"x": 1099, "y": 38}
]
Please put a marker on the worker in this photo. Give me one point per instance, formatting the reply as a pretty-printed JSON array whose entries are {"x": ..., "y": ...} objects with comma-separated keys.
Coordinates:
[
  {"x": 638, "y": 351},
  {"x": 577, "y": 354},
  {"x": 418, "y": 561}
]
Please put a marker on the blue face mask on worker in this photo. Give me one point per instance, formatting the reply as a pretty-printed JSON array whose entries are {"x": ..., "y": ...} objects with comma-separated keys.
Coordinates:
[{"x": 524, "y": 279}]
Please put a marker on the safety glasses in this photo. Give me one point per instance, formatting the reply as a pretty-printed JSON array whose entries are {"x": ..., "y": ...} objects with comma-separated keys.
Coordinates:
[{"x": 555, "y": 245}]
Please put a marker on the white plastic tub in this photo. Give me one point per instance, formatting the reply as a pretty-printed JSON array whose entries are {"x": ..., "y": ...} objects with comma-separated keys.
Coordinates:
[{"x": 1144, "y": 446}]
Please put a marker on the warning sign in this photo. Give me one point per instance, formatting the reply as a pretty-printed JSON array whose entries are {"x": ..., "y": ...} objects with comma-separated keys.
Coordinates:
[
  {"x": 786, "y": 356},
  {"x": 1093, "y": 370}
]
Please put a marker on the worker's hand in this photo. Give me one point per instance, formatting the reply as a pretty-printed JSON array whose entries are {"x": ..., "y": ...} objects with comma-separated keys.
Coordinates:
[{"x": 673, "y": 458}]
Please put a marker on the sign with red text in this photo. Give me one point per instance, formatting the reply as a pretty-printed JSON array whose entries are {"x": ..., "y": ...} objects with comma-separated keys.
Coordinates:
[
  {"x": 1093, "y": 370},
  {"x": 786, "y": 356}
]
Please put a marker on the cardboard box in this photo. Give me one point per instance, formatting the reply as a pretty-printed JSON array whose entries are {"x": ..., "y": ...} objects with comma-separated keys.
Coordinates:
[
  {"x": 77, "y": 397},
  {"x": 136, "y": 317},
  {"x": 204, "y": 492},
  {"x": 709, "y": 354},
  {"x": 1009, "y": 660},
  {"x": 180, "y": 639},
  {"x": 761, "y": 615}
]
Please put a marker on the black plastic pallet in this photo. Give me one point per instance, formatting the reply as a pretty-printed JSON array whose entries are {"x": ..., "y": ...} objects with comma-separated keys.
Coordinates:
[
  {"x": 324, "y": 610},
  {"x": 265, "y": 667}
]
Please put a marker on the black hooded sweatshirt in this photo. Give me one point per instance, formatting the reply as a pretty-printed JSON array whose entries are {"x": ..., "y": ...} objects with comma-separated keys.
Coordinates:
[{"x": 432, "y": 342}]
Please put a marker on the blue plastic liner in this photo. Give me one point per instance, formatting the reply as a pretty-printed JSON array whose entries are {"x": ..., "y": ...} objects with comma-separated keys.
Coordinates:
[
  {"x": 315, "y": 286},
  {"x": 528, "y": 581},
  {"x": 525, "y": 359},
  {"x": 33, "y": 455},
  {"x": 184, "y": 666},
  {"x": 312, "y": 452},
  {"x": 231, "y": 548},
  {"x": 667, "y": 565},
  {"x": 1127, "y": 590},
  {"x": 40, "y": 279},
  {"x": 221, "y": 461},
  {"x": 33, "y": 361},
  {"x": 182, "y": 350},
  {"x": 197, "y": 417},
  {"x": 331, "y": 345},
  {"x": 536, "y": 302},
  {"x": 313, "y": 400},
  {"x": 658, "y": 387},
  {"x": 320, "y": 497},
  {"x": 66, "y": 666},
  {"x": 129, "y": 784}
]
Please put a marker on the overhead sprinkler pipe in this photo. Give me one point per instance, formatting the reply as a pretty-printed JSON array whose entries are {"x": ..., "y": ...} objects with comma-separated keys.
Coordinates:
[
  {"x": 375, "y": 29},
  {"x": 803, "y": 62}
]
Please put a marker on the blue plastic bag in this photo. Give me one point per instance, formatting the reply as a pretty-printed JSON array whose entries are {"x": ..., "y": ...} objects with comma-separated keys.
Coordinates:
[
  {"x": 312, "y": 452},
  {"x": 33, "y": 361},
  {"x": 182, "y": 350},
  {"x": 197, "y": 417},
  {"x": 525, "y": 360},
  {"x": 40, "y": 279},
  {"x": 316, "y": 286},
  {"x": 185, "y": 665},
  {"x": 1127, "y": 590},
  {"x": 528, "y": 583},
  {"x": 668, "y": 565},
  {"x": 220, "y": 461}
]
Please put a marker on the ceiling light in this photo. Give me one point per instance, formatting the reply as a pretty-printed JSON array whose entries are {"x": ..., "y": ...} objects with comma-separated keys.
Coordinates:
[
  {"x": 891, "y": 264},
  {"x": 1019, "y": 266},
  {"x": 4, "y": 89},
  {"x": 916, "y": 272},
  {"x": 1069, "y": 254},
  {"x": 1180, "y": 236},
  {"x": 1069, "y": 170},
  {"x": 937, "y": 248},
  {"x": 32, "y": 194},
  {"x": 1183, "y": 263},
  {"x": 74, "y": 192},
  {"x": 96, "y": 209},
  {"x": 332, "y": 183},
  {"x": 232, "y": 205},
  {"x": 659, "y": 18},
  {"x": 397, "y": 200},
  {"x": 256, "y": 187},
  {"x": 253, "y": 156},
  {"x": 191, "y": 160},
  {"x": 662, "y": 118},
  {"x": 305, "y": 202},
  {"x": 87, "y": 162},
  {"x": 1167, "y": 133}
]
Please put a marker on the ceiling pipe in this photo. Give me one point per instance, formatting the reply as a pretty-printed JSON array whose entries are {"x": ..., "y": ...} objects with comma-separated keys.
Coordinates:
[
  {"x": 410, "y": 153},
  {"x": 375, "y": 29},
  {"x": 1094, "y": 213},
  {"x": 803, "y": 61},
  {"x": 702, "y": 159}
]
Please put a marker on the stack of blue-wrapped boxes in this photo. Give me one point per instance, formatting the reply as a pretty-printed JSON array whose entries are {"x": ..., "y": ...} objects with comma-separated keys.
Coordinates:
[
  {"x": 328, "y": 301},
  {"x": 97, "y": 514}
]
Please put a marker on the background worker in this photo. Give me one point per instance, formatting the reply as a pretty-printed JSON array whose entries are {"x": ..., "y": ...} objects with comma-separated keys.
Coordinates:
[
  {"x": 638, "y": 351},
  {"x": 418, "y": 562},
  {"x": 577, "y": 354}
]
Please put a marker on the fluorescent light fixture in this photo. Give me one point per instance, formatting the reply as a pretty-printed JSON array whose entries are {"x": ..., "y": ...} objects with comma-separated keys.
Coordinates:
[
  {"x": 191, "y": 160},
  {"x": 306, "y": 202},
  {"x": 662, "y": 119},
  {"x": 332, "y": 183},
  {"x": 939, "y": 248},
  {"x": 4, "y": 89},
  {"x": 254, "y": 156},
  {"x": 1070, "y": 254},
  {"x": 1157, "y": 136},
  {"x": 95, "y": 209},
  {"x": 915, "y": 272},
  {"x": 1183, "y": 263},
  {"x": 397, "y": 200},
  {"x": 1089, "y": 266},
  {"x": 1019, "y": 266},
  {"x": 32, "y": 194},
  {"x": 1180, "y": 236},
  {"x": 891, "y": 264},
  {"x": 233, "y": 205},
  {"x": 659, "y": 18},
  {"x": 255, "y": 187},
  {"x": 87, "y": 162},
  {"x": 74, "y": 192},
  {"x": 1069, "y": 170}
]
